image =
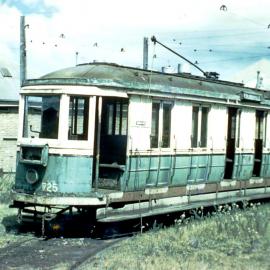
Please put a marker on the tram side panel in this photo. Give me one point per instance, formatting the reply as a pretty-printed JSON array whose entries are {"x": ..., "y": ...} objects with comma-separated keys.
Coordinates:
[
  {"x": 244, "y": 148},
  {"x": 181, "y": 133},
  {"x": 139, "y": 132},
  {"x": 217, "y": 130},
  {"x": 180, "y": 164},
  {"x": 265, "y": 169}
]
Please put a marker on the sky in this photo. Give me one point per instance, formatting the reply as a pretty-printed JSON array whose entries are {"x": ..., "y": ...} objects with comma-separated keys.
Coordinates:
[{"x": 222, "y": 36}]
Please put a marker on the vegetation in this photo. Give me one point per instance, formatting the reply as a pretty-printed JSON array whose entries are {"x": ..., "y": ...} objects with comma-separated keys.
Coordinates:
[
  {"x": 8, "y": 222},
  {"x": 9, "y": 227},
  {"x": 6, "y": 182},
  {"x": 228, "y": 239}
]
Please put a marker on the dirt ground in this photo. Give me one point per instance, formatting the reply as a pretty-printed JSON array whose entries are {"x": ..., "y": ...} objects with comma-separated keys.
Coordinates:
[{"x": 27, "y": 250}]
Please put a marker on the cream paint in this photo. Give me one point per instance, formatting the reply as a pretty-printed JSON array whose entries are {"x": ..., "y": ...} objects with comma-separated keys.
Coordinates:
[
  {"x": 140, "y": 114},
  {"x": 247, "y": 129},
  {"x": 228, "y": 183},
  {"x": 267, "y": 148},
  {"x": 217, "y": 127},
  {"x": 181, "y": 125},
  {"x": 72, "y": 89}
]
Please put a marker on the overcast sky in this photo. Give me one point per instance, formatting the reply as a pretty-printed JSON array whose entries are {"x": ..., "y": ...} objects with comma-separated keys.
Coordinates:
[{"x": 222, "y": 36}]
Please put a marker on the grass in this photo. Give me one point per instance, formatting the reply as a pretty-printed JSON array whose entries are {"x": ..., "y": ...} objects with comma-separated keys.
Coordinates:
[
  {"x": 8, "y": 226},
  {"x": 8, "y": 222},
  {"x": 228, "y": 239},
  {"x": 6, "y": 183}
]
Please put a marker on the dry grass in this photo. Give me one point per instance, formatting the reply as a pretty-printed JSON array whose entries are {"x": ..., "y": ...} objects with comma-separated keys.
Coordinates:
[{"x": 229, "y": 239}]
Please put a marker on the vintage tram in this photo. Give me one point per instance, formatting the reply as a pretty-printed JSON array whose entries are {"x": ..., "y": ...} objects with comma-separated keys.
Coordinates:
[{"x": 121, "y": 142}]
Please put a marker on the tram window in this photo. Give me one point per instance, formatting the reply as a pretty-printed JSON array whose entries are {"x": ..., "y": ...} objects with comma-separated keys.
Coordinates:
[
  {"x": 239, "y": 112},
  {"x": 166, "y": 134},
  {"x": 195, "y": 117},
  {"x": 233, "y": 126},
  {"x": 116, "y": 118},
  {"x": 41, "y": 117},
  {"x": 78, "y": 118},
  {"x": 199, "y": 126},
  {"x": 155, "y": 124},
  {"x": 261, "y": 126},
  {"x": 110, "y": 119},
  {"x": 204, "y": 126},
  {"x": 124, "y": 117},
  {"x": 161, "y": 124},
  {"x": 265, "y": 129}
]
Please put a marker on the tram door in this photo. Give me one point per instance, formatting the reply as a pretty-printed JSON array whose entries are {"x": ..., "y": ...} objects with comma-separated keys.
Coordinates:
[
  {"x": 110, "y": 141},
  {"x": 231, "y": 141},
  {"x": 259, "y": 136}
]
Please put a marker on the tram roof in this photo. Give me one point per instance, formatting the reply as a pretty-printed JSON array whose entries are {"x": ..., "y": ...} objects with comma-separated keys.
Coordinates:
[{"x": 135, "y": 79}]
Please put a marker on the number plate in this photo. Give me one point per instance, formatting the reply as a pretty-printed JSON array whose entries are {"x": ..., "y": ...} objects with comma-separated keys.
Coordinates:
[{"x": 50, "y": 187}]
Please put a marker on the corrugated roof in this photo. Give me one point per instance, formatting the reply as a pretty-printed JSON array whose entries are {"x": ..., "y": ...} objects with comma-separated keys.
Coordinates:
[{"x": 9, "y": 82}]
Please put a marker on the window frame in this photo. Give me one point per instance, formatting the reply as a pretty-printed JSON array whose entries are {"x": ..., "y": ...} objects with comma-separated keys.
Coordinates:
[
  {"x": 196, "y": 139},
  {"x": 73, "y": 134},
  {"x": 27, "y": 128},
  {"x": 159, "y": 133},
  {"x": 116, "y": 118}
]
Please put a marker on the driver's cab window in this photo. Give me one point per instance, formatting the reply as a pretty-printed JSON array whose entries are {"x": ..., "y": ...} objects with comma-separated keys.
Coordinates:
[
  {"x": 78, "y": 118},
  {"x": 41, "y": 117}
]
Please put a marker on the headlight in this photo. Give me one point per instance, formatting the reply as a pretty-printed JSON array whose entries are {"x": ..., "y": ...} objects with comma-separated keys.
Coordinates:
[{"x": 31, "y": 176}]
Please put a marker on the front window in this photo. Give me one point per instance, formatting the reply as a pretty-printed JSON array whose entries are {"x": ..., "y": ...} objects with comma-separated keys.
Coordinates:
[
  {"x": 41, "y": 117},
  {"x": 78, "y": 118}
]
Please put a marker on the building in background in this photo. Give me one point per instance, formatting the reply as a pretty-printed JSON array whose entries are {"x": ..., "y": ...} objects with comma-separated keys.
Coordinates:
[{"x": 9, "y": 103}]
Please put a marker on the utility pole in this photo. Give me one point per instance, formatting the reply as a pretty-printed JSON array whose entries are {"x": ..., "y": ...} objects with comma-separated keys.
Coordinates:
[
  {"x": 23, "y": 71},
  {"x": 145, "y": 53}
]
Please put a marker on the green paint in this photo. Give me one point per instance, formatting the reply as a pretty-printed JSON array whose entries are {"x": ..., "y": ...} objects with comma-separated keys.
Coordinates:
[
  {"x": 145, "y": 171},
  {"x": 64, "y": 174}
]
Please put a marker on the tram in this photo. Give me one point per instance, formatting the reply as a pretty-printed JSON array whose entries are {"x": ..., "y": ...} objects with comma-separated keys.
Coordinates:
[{"x": 120, "y": 142}]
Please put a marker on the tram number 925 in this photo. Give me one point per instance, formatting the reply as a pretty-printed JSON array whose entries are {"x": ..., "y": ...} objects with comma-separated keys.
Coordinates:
[{"x": 49, "y": 187}]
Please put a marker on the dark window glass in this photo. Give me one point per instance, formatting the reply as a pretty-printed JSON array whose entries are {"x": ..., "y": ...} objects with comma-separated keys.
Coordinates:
[
  {"x": 124, "y": 124},
  {"x": 260, "y": 116},
  {"x": 204, "y": 127},
  {"x": 194, "y": 134},
  {"x": 110, "y": 117},
  {"x": 233, "y": 126},
  {"x": 238, "y": 128},
  {"x": 78, "y": 118},
  {"x": 116, "y": 117},
  {"x": 265, "y": 129},
  {"x": 166, "y": 134},
  {"x": 155, "y": 125},
  {"x": 41, "y": 117}
]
